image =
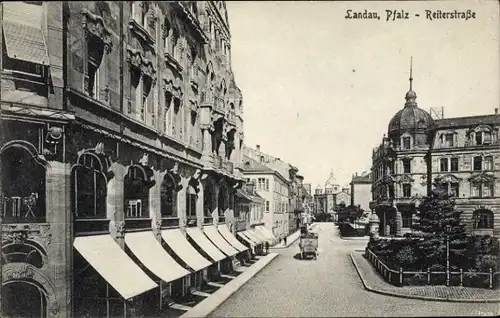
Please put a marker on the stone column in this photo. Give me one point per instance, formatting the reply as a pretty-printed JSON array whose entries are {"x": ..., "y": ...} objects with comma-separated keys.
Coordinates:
[
  {"x": 181, "y": 202},
  {"x": 399, "y": 223},
  {"x": 200, "y": 213},
  {"x": 155, "y": 204},
  {"x": 58, "y": 239},
  {"x": 115, "y": 209}
]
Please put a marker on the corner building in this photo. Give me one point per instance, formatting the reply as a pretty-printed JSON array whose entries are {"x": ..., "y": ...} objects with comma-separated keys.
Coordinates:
[
  {"x": 460, "y": 154},
  {"x": 120, "y": 154}
]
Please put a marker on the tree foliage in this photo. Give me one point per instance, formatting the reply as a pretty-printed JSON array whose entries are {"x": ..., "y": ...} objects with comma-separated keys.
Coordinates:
[{"x": 439, "y": 218}]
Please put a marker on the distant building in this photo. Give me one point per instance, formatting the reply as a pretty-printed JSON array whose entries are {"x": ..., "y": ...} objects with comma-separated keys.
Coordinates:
[
  {"x": 361, "y": 190},
  {"x": 273, "y": 188},
  {"x": 461, "y": 154},
  {"x": 331, "y": 197},
  {"x": 289, "y": 173}
]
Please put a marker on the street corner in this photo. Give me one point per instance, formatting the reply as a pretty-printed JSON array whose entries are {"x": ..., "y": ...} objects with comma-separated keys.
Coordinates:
[{"x": 374, "y": 283}]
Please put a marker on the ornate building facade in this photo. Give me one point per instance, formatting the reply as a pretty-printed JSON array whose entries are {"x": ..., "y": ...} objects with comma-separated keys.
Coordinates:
[
  {"x": 461, "y": 154},
  {"x": 121, "y": 121},
  {"x": 329, "y": 198}
]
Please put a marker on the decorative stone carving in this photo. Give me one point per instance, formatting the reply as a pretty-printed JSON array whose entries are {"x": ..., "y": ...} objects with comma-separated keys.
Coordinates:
[
  {"x": 94, "y": 25},
  {"x": 120, "y": 229},
  {"x": 21, "y": 271},
  {"x": 137, "y": 59},
  {"x": 45, "y": 234},
  {"x": 18, "y": 234}
]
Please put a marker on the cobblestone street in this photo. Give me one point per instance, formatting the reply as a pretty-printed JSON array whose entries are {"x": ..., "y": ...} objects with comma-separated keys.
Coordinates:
[{"x": 329, "y": 286}]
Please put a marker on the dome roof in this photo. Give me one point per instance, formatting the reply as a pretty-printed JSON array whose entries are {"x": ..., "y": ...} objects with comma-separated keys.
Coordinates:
[{"x": 410, "y": 117}]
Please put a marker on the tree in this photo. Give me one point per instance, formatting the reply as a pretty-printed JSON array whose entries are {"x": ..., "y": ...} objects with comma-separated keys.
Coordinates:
[{"x": 436, "y": 214}]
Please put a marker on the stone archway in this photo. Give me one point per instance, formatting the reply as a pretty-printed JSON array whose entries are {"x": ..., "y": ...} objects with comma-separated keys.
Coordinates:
[{"x": 22, "y": 276}]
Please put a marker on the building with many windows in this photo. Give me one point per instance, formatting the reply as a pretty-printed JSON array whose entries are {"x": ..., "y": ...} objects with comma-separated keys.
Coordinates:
[
  {"x": 460, "y": 154},
  {"x": 272, "y": 187},
  {"x": 287, "y": 200},
  {"x": 121, "y": 146}
]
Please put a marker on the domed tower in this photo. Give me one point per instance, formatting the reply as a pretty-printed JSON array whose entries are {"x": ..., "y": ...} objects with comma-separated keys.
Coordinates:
[{"x": 409, "y": 126}]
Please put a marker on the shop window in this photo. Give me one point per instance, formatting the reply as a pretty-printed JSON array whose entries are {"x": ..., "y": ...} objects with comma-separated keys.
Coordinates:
[
  {"x": 90, "y": 188},
  {"x": 168, "y": 197},
  {"x": 23, "y": 186},
  {"x": 136, "y": 193},
  {"x": 483, "y": 219}
]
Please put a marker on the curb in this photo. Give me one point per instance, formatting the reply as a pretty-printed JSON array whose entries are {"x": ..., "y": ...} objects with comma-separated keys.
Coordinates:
[
  {"x": 389, "y": 293},
  {"x": 355, "y": 238},
  {"x": 211, "y": 303}
]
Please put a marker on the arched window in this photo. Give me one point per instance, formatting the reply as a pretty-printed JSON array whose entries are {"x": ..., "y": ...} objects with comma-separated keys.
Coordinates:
[
  {"x": 32, "y": 303},
  {"x": 136, "y": 193},
  {"x": 208, "y": 199},
  {"x": 191, "y": 199},
  {"x": 23, "y": 187},
  {"x": 483, "y": 219},
  {"x": 168, "y": 197},
  {"x": 89, "y": 188}
]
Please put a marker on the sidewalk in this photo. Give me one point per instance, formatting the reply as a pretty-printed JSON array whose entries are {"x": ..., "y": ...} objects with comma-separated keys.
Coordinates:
[
  {"x": 211, "y": 303},
  {"x": 289, "y": 241},
  {"x": 374, "y": 283}
]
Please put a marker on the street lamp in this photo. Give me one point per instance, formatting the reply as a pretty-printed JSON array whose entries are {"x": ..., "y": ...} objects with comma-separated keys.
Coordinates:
[{"x": 447, "y": 230}]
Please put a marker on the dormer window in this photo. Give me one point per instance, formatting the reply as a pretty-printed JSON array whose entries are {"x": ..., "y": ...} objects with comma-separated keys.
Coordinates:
[
  {"x": 406, "y": 141},
  {"x": 483, "y": 137},
  {"x": 447, "y": 140}
]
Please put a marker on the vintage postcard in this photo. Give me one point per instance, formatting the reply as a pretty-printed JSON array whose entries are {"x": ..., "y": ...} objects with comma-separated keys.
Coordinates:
[{"x": 249, "y": 159}]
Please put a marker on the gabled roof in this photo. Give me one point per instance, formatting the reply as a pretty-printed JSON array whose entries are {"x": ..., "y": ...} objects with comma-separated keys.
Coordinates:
[
  {"x": 251, "y": 165},
  {"x": 467, "y": 121}
]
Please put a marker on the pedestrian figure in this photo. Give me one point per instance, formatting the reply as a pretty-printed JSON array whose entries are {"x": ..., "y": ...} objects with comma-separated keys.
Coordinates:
[
  {"x": 284, "y": 239},
  {"x": 267, "y": 247}
]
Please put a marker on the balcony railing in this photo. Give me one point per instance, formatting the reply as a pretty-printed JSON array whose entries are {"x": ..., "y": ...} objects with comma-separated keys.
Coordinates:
[
  {"x": 223, "y": 164},
  {"x": 22, "y": 210}
]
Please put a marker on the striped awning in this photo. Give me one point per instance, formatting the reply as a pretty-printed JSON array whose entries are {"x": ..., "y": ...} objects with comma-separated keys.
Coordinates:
[{"x": 22, "y": 29}]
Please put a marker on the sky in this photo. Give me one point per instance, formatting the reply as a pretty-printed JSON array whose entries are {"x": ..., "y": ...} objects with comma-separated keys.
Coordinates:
[{"x": 319, "y": 90}]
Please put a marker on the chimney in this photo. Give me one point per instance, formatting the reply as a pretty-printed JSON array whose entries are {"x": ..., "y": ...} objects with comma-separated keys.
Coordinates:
[
  {"x": 249, "y": 187},
  {"x": 496, "y": 111},
  {"x": 258, "y": 147}
]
